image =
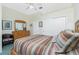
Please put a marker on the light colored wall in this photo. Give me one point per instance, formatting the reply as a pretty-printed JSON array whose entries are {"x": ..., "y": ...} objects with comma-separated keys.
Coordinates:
[
  {"x": 0, "y": 28},
  {"x": 51, "y": 26},
  {"x": 71, "y": 15},
  {"x": 76, "y": 11},
  {"x": 10, "y": 14},
  {"x": 68, "y": 13}
]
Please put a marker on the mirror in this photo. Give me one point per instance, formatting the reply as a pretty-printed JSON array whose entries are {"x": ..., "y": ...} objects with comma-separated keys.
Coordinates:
[{"x": 20, "y": 25}]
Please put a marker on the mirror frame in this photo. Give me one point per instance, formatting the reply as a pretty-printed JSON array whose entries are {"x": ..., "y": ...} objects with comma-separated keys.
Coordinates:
[{"x": 18, "y": 21}]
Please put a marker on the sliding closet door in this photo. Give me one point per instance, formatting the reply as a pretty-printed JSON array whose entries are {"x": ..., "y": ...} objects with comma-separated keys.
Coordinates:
[{"x": 53, "y": 26}]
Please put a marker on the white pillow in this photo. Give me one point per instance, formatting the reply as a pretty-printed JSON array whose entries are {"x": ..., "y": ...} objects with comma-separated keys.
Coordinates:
[
  {"x": 69, "y": 32},
  {"x": 76, "y": 34}
]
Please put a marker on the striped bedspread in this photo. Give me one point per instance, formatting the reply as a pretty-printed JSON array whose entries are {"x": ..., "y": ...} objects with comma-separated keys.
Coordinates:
[
  {"x": 34, "y": 45},
  {"x": 44, "y": 45}
]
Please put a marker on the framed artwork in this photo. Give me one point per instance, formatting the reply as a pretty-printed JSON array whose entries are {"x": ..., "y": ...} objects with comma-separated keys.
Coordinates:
[
  {"x": 31, "y": 25},
  {"x": 40, "y": 23},
  {"x": 6, "y": 25}
]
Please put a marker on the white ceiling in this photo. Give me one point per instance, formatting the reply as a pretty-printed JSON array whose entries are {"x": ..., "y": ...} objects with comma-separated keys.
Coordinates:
[{"x": 47, "y": 7}]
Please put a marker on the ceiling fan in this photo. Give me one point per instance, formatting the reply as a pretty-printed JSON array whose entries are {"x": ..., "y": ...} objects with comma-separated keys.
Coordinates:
[{"x": 33, "y": 6}]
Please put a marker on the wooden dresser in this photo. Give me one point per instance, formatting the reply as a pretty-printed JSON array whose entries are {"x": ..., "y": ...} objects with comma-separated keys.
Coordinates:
[{"x": 20, "y": 34}]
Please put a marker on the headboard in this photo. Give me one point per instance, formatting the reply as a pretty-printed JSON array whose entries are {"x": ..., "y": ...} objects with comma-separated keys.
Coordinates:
[
  {"x": 20, "y": 34},
  {"x": 77, "y": 26}
]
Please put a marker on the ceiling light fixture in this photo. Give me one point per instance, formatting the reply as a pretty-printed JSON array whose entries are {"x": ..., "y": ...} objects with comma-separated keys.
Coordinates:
[
  {"x": 31, "y": 6},
  {"x": 40, "y": 7}
]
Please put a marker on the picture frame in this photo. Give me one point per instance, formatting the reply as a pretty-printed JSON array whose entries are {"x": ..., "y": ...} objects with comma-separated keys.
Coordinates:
[
  {"x": 40, "y": 23},
  {"x": 6, "y": 25}
]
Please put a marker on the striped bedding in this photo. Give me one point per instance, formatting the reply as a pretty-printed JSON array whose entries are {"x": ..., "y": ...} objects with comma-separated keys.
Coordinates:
[
  {"x": 43, "y": 45},
  {"x": 34, "y": 45}
]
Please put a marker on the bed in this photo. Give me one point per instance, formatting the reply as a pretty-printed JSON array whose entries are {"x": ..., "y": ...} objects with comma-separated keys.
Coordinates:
[
  {"x": 65, "y": 43},
  {"x": 38, "y": 43}
]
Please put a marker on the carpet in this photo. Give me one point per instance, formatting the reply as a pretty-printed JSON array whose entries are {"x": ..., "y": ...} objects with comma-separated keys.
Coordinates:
[{"x": 6, "y": 49}]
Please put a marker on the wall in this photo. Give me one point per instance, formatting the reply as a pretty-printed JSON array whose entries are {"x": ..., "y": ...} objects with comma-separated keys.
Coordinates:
[
  {"x": 51, "y": 26},
  {"x": 68, "y": 13},
  {"x": 10, "y": 14},
  {"x": 76, "y": 11},
  {"x": 0, "y": 28}
]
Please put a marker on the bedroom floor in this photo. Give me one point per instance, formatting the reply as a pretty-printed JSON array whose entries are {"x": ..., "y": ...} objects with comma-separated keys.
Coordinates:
[{"x": 6, "y": 49}]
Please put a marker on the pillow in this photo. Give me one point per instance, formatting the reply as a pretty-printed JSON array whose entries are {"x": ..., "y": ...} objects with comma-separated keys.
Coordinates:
[
  {"x": 69, "y": 46},
  {"x": 68, "y": 30},
  {"x": 62, "y": 38},
  {"x": 77, "y": 34}
]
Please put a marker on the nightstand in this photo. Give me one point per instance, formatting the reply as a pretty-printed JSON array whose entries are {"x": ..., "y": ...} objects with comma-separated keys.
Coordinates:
[{"x": 7, "y": 39}]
